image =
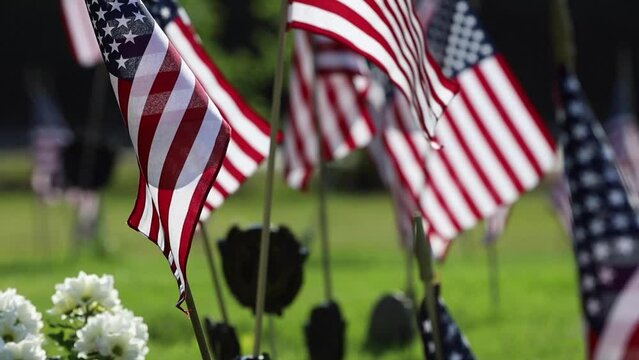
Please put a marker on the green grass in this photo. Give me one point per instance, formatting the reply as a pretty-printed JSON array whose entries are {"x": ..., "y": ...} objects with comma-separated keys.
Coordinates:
[{"x": 538, "y": 318}]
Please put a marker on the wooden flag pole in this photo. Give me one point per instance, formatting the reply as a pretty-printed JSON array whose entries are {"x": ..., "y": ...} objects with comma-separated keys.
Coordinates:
[
  {"x": 208, "y": 250},
  {"x": 197, "y": 326},
  {"x": 270, "y": 174},
  {"x": 424, "y": 255}
]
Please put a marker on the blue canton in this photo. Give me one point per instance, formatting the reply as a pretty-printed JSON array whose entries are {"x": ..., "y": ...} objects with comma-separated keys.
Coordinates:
[
  {"x": 123, "y": 29},
  {"x": 456, "y": 38},
  {"x": 163, "y": 11}
]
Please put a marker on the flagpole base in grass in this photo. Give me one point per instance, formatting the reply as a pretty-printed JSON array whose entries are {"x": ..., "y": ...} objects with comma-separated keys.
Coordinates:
[
  {"x": 325, "y": 332},
  {"x": 392, "y": 324},
  {"x": 222, "y": 339}
]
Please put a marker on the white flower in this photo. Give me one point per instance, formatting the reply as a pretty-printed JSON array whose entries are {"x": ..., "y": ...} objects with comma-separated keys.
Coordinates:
[
  {"x": 30, "y": 348},
  {"x": 18, "y": 318},
  {"x": 85, "y": 293},
  {"x": 116, "y": 335}
]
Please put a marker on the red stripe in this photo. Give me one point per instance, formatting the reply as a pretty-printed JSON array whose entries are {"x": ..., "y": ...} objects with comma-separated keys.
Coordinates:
[
  {"x": 140, "y": 203},
  {"x": 491, "y": 142},
  {"x": 632, "y": 345},
  {"x": 496, "y": 102},
  {"x": 124, "y": 94},
  {"x": 235, "y": 173}
]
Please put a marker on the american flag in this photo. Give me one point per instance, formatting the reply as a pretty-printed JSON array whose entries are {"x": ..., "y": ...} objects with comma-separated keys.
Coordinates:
[
  {"x": 605, "y": 230},
  {"x": 495, "y": 145},
  {"x": 249, "y": 143},
  {"x": 388, "y": 33},
  {"x": 327, "y": 81},
  {"x": 455, "y": 346},
  {"x": 178, "y": 134},
  {"x": 84, "y": 48},
  {"x": 49, "y": 136}
]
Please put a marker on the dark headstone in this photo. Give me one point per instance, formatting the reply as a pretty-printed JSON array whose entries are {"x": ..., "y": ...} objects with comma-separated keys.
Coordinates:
[
  {"x": 391, "y": 324},
  {"x": 325, "y": 333},
  {"x": 222, "y": 339}
]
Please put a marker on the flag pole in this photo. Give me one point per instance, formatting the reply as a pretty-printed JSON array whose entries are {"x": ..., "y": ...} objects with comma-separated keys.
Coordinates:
[
  {"x": 270, "y": 174},
  {"x": 323, "y": 212},
  {"x": 214, "y": 275},
  {"x": 424, "y": 255},
  {"x": 197, "y": 326},
  {"x": 493, "y": 273},
  {"x": 564, "y": 47}
]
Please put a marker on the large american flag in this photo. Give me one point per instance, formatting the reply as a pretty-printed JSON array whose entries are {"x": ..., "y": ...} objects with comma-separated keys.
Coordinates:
[
  {"x": 454, "y": 344},
  {"x": 495, "y": 145},
  {"x": 388, "y": 33},
  {"x": 605, "y": 230},
  {"x": 178, "y": 134},
  {"x": 328, "y": 86},
  {"x": 84, "y": 48},
  {"x": 249, "y": 143}
]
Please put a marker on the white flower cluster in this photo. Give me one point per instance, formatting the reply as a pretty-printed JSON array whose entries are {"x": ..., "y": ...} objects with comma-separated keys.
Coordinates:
[
  {"x": 85, "y": 294},
  {"x": 20, "y": 326},
  {"x": 113, "y": 335}
]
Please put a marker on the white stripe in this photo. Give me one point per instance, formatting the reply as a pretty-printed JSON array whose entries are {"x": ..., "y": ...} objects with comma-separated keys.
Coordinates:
[
  {"x": 521, "y": 117},
  {"x": 498, "y": 130},
  {"x": 442, "y": 225},
  {"x": 227, "y": 181},
  {"x": 303, "y": 118},
  {"x": 406, "y": 162},
  {"x": 83, "y": 41},
  {"x": 147, "y": 215},
  {"x": 482, "y": 151},
  {"x": 291, "y": 157},
  {"x": 621, "y": 323}
]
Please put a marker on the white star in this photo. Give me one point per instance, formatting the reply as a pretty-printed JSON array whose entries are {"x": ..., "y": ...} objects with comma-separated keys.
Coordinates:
[
  {"x": 625, "y": 245},
  {"x": 129, "y": 37},
  {"x": 123, "y": 21},
  {"x": 165, "y": 12},
  {"x": 585, "y": 154},
  {"x": 580, "y": 131},
  {"x": 427, "y": 326},
  {"x": 94, "y": 2},
  {"x": 589, "y": 178},
  {"x": 615, "y": 197},
  {"x": 139, "y": 16},
  {"x": 601, "y": 251},
  {"x": 95, "y": 23},
  {"x": 115, "y": 46},
  {"x": 121, "y": 62},
  {"x": 593, "y": 307},
  {"x": 106, "y": 55},
  {"x": 431, "y": 346},
  {"x": 116, "y": 6},
  {"x": 455, "y": 356},
  {"x": 620, "y": 221},
  {"x": 101, "y": 14},
  {"x": 132, "y": 2},
  {"x": 606, "y": 275},
  {"x": 108, "y": 30},
  {"x": 588, "y": 283}
]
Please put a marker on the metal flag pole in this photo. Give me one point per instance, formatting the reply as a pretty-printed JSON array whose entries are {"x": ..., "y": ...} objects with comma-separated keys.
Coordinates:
[
  {"x": 564, "y": 47},
  {"x": 493, "y": 273},
  {"x": 323, "y": 209},
  {"x": 270, "y": 174},
  {"x": 424, "y": 255},
  {"x": 208, "y": 251},
  {"x": 197, "y": 326}
]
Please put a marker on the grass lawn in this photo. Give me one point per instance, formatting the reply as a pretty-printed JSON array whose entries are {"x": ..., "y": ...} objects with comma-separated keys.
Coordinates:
[{"x": 539, "y": 316}]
